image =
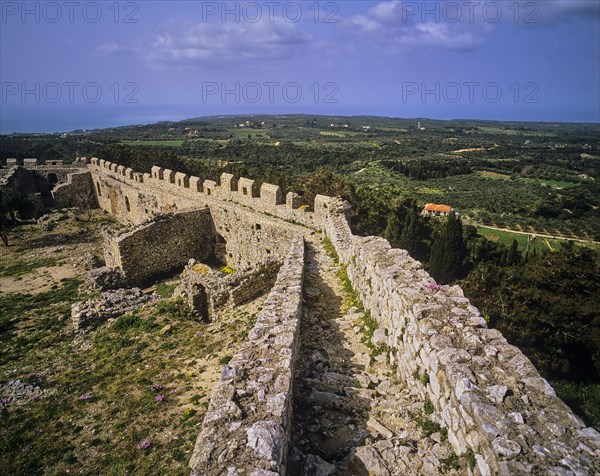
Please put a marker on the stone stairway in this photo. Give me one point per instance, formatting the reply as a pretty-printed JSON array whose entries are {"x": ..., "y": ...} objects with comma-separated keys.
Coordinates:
[{"x": 351, "y": 416}]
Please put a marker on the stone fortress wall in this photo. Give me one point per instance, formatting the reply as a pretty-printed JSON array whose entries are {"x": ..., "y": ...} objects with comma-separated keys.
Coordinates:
[
  {"x": 249, "y": 229},
  {"x": 247, "y": 425},
  {"x": 487, "y": 394},
  {"x": 55, "y": 171},
  {"x": 161, "y": 246}
]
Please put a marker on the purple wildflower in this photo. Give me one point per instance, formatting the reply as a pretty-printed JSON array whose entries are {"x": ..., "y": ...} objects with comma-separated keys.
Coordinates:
[
  {"x": 34, "y": 398},
  {"x": 144, "y": 444},
  {"x": 86, "y": 396},
  {"x": 157, "y": 387},
  {"x": 5, "y": 402},
  {"x": 27, "y": 449},
  {"x": 159, "y": 398},
  {"x": 434, "y": 287}
]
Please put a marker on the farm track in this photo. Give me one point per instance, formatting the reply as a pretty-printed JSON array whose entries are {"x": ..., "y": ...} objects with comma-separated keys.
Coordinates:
[{"x": 539, "y": 235}]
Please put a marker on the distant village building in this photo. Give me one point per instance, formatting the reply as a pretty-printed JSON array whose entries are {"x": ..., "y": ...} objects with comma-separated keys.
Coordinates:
[{"x": 437, "y": 210}]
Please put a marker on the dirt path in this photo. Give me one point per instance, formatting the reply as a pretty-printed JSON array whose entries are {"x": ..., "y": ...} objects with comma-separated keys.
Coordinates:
[
  {"x": 351, "y": 417},
  {"x": 539, "y": 235}
]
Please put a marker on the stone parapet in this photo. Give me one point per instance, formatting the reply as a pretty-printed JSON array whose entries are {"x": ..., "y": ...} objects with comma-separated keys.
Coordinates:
[
  {"x": 486, "y": 393},
  {"x": 246, "y": 428}
]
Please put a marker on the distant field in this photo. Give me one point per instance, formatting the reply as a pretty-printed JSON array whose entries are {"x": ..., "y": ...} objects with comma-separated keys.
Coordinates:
[
  {"x": 536, "y": 181},
  {"x": 506, "y": 237},
  {"x": 243, "y": 133},
  {"x": 331, "y": 133},
  {"x": 538, "y": 243},
  {"x": 512, "y": 132},
  {"x": 165, "y": 143},
  {"x": 472, "y": 149},
  {"x": 550, "y": 183},
  {"x": 493, "y": 175}
]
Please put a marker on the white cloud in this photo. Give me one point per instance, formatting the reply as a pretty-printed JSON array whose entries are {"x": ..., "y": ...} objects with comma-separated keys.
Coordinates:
[
  {"x": 195, "y": 44},
  {"x": 395, "y": 24}
]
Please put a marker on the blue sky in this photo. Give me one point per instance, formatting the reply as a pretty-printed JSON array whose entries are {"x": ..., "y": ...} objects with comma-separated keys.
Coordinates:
[{"x": 95, "y": 64}]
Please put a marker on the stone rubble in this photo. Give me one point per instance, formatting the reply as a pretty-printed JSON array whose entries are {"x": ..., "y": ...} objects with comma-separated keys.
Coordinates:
[
  {"x": 17, "y": 392},
  {"x": 110, "y": 304},
  {"x": 104, "y": 278}
]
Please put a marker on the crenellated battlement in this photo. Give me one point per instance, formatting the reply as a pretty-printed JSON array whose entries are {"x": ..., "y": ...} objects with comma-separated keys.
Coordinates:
[{"x": 261, "y": 197}]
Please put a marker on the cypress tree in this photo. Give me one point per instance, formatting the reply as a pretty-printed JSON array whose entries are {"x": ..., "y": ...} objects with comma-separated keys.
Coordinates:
[
  {"x": 448, "y": 251},
  {"x": 410, "y": 238},
  {"x": 513, "y": 256},
  {"x": 393, "y": 229}
]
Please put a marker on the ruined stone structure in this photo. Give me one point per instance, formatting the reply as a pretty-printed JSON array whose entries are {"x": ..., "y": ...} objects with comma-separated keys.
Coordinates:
[
  {"x": 36, "y": 180},
  {"x": 54, "y": 171},
  {"x": 207, "y": 290},
  {"x": 489, "y": 397},
  {"x": 161, "y": 246}
]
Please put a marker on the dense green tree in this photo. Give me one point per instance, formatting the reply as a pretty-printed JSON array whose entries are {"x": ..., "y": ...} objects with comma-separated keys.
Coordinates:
[
  {"x": 448, "y": 251},
  {"x": 13, "y": 205},
  {"x": 547, "y": 306},
  {"x": 513, "y": 256},
  {"x": 410, "y": 239},
  {"x": 393, "y": 229}
]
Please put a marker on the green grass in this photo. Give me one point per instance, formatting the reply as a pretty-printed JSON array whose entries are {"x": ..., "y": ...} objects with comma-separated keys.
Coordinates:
[
  {"x": 15, "y": 306},
  {"x": 353, "y": 300},
  {"x": 470, "y": 459},
  {"x": 175, "y": 309},
  {"x": 559, "y": 184},
  {"x": 492, "y": 175},
  {"x": 61, "y": 433},
  {"x": 450, "y": 463},
  {"x": 254, "y": 134},
  {"x": 328, "y": 245},
  {"x": 331, "y": 133},
  {"x": 165, "y": 290},
  {"x": 427, "y": 426},
  {"x": 506, "y": 237},
  {"x": 132, "y": 321},
  {"x": 21, "y": 268}
]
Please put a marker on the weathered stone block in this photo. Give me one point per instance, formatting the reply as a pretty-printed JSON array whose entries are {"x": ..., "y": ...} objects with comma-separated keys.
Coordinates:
[
  {"x": 157, "y": 173},
  {"x": 271, "y": 194},
  {"x": 182, "y": 180},
  {"x": 195, "y": 184},
  {"x": 248, "y": 188},
  {"x": 229, "y": 183},
  {"x": 168, "y": 176}
]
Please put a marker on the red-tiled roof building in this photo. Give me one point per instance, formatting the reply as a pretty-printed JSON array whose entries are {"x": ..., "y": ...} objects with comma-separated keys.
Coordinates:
[{"x": 438, "y": 210}]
